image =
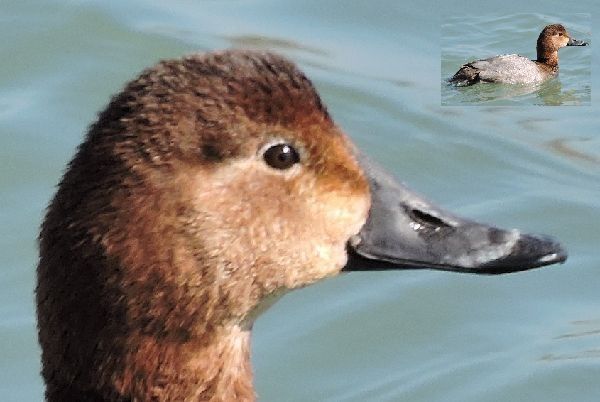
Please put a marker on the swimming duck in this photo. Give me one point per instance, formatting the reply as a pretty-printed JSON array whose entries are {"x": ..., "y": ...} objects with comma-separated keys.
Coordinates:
[
  {"x": 210, "y": 186},
  {"x": 516, "y": 69}
]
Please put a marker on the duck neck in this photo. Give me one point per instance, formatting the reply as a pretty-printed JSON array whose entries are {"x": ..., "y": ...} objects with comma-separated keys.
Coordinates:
[
  {"x": 549, "y": 58},
  {"x": 217, "y": 369},
  {"x": 213, "y": 369}
]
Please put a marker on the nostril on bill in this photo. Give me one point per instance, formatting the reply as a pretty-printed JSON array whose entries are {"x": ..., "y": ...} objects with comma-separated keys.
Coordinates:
[{"x": 426, "y": 219}]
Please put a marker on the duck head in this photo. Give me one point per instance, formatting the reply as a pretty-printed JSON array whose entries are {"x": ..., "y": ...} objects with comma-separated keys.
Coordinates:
[
  {"x": 552, "y": 38},
  {"x": 208, "y": 186}
]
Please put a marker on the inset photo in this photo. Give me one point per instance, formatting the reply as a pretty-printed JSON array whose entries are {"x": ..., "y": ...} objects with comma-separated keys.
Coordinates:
[{"x": 516, "y": 59}]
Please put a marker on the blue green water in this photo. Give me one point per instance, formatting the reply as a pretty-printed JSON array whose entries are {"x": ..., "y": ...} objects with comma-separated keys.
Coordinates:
[{"x": 393, "y": 336}]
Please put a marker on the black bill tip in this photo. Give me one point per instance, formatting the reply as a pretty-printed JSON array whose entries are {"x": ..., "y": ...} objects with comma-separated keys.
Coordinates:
[
  {"x": 575, "y": 42},
  {"x": 530, "y": 251}
]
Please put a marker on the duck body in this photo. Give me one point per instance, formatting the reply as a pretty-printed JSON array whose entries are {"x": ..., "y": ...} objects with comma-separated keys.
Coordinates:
[
  {"x": 208, "y": 187},
  {"x": 517, "y": 69},
  {"x": 507, "y": 69}
]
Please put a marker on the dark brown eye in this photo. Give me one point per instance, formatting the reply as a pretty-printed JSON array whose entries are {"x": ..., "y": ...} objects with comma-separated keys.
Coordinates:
[
  {"x": 560, "y": 34},
  {"x": 281, "y": 156}
]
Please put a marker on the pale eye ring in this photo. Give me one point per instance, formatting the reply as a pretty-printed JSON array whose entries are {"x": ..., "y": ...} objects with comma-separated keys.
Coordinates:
[{"x": 281, "y": 156}]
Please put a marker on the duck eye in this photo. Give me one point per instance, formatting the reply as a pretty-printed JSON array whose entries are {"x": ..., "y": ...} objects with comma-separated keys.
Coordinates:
[{"x": 281, "y": 156}]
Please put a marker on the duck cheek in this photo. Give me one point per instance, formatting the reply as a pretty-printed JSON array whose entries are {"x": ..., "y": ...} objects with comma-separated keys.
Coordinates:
[
  {"x": 338, "y": 218},
  {"x": 338, "y": 256},
  {"x": 332, "y": 258}
]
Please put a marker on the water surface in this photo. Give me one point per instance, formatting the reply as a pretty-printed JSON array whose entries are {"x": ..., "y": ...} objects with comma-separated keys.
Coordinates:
[{"x": 394, "y": 336}]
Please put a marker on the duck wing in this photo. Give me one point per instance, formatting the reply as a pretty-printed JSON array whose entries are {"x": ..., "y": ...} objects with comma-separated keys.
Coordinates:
[{"x": 508, "y": 68}]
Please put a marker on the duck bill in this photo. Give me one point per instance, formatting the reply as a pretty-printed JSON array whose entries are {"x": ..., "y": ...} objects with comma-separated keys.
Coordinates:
[
  {"x": 575, "y": 42},
  {"x": 405, "y": 231}
]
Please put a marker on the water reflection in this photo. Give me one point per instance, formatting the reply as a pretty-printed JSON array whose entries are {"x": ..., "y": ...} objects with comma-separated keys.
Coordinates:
[
  {"x": 548, "y": 93},
  {"x": 582, "y": 328},
  {"x": 585, "y": 354},
  {"x": 267, "y": 43},
  {"x": 580, "y": 331},
  {"x": 561, "y": 146},
  {"x": 551, "y": 94},
  {"x": 484, "y": 92}
]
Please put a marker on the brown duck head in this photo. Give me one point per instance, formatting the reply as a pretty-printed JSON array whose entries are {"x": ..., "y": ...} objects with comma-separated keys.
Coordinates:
[
  {"x": 210, "y": 185},
  {"x": 552, "y": 38}
]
